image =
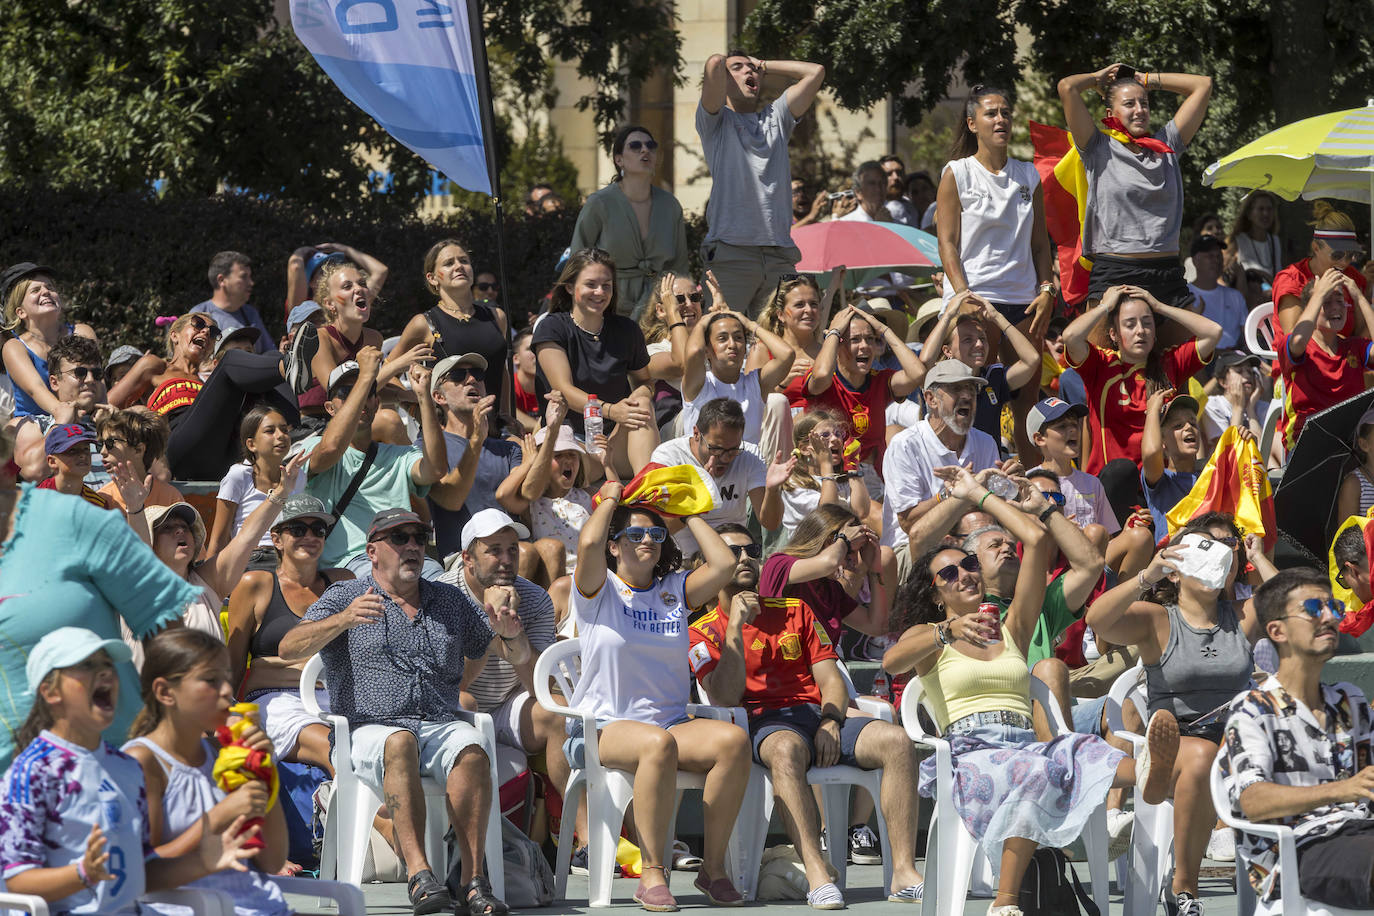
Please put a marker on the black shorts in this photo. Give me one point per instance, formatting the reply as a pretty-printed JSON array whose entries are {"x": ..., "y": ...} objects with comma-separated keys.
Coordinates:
[
  {"x": 1012, "y": 311},
  {"x": 1336, "y": 869},
  {"x": 804, "y": 719},
  {"x": 1211, "y": 730},
  {"x": 1162, "y": 277}
]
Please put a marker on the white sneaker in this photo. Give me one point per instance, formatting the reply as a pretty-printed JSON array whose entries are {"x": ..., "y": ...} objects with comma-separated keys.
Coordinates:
[
  {"x": 1004, "y": 910},
  {"x": 1119, "y": 824},
  {"x": 1222, "y": 846}
]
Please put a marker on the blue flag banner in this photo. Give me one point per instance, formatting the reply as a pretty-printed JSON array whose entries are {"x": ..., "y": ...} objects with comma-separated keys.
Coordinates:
[{"x": 411, "y": 65}]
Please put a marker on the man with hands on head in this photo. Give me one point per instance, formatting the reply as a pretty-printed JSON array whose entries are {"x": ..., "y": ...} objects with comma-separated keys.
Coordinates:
[
  {"x": 1297, "y": 752},
  {"x": 774, "y": 657},
  {"x": 749, "y": 241},
  {"x": 346, "y": 459},
  {"x": 395, "y": 648}
]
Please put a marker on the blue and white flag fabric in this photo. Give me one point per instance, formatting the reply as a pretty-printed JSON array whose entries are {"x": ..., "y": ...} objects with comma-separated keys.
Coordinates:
[{"x": 411, "y": 65}]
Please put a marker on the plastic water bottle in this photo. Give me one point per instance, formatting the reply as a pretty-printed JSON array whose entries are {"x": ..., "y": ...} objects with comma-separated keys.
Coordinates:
[{"x": 592, "y": 425}]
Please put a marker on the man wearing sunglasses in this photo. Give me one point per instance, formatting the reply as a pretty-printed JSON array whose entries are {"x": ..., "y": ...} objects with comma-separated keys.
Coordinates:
[
  {"x": 773, "y": 656},
  {"x": 395, "y": 650},
  {"x": 231, "y": 282},
  {"x": 1297, "y": 753},
  {"x": 75, "y": 378},
  {"x": 716, "y": 446},
  {"x": 748, "y": 244},
  {"x": 346, "y": 460}
]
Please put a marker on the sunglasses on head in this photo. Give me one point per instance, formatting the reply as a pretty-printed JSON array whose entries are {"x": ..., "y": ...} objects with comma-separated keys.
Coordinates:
[
  {"x": 752, "y": 551},
  {"x": 638, "y": 145},
  {"x": 951, "y": 572},
  {"x": 1315, "y": 606},
  {"x": 300, "y": 529},
  {"x": 485, "y": 286},
  {"x": 636, "y": 534},
  {"x": 205, "y": 324},
  {"x": 682, "y": 298},
  {"x": 81, "y": 373},
  {"x": 402, "y": 538}
]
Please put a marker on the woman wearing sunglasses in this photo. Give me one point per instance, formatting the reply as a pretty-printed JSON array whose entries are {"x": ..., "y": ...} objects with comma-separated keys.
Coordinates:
[
  {"x": 632, "y": 611},
  {"x": 639, "y": 223},
  {"x": 263, "y": 606},
  {"x": 675, "y": 303},
  {"x": 1194, "y": 641},
  {"x": 1334, "y": 247},
  {"x": 973, "y": 669}
]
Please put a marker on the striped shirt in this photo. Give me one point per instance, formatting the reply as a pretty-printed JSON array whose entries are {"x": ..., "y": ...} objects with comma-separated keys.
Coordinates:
[
  {"x": 498, "y": 681},
  {"x": 99, "y": 500}
]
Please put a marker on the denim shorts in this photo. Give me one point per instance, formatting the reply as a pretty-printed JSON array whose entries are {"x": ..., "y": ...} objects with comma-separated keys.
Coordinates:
[
  {"x": 804, "y": 719},
  {"x": 1087, "y": 716},
  {"x": 1000, "y": 735}
]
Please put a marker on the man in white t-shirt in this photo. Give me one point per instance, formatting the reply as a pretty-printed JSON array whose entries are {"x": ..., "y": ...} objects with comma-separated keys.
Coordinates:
[
  {"x": 945, "y": 437},
  {"x": 1222, "y": 304},
  {"x": 748, "y": 245},
  {"x": 716, "y": 446}
]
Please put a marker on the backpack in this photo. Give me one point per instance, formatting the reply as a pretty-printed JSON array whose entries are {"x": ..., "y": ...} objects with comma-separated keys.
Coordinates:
[
  {"x": 1051, "y": 888},
  {"x": 529, "y": 879}
]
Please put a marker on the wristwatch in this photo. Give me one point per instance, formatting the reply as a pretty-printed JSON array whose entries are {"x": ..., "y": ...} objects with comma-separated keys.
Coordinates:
[
  {"x": 1049, "y": 510},
  {"x": 833, "y": 716}
]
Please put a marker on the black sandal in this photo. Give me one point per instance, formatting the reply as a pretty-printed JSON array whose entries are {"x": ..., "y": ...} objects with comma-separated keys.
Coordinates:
[
  {"x": 427, "y": 895},
  {"x": 481, "y": 900}
]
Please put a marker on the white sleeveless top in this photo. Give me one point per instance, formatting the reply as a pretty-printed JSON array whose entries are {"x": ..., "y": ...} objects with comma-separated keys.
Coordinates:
[
  {"x": 995, "y": 229},
  {"x": 745, "y": 391},
  {"x": 191, "y": 792}
]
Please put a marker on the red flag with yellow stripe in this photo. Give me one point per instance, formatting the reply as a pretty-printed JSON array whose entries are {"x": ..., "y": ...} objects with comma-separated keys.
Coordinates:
[
  {"x": 1065, "y": 184},
  {"x": 1234, "y": 481}
]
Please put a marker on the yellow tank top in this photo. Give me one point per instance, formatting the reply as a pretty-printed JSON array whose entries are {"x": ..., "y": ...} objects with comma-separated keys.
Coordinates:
[{"x": 960, "y": 686}]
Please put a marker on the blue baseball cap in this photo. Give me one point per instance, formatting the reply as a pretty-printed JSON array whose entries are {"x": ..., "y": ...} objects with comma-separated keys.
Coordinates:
[
  {"x": 68, "y": 646},
  {"x": 302, "y": 312},
  {"x": 61, "y": 437},
  {"x": 1049, "y": 410},
  {"x": 316, "y": 261}
]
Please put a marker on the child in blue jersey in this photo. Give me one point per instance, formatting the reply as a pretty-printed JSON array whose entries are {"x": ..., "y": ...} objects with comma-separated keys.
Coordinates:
[
  {"x": 74, "y": 826},
  {"x": 187, "y": 694}
]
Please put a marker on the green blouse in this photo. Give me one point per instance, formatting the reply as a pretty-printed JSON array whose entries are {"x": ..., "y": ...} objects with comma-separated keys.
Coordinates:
[{"x": 607, "y": 221}]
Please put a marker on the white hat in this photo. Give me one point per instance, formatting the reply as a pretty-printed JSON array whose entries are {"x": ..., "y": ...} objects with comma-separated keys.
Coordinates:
[
  {"x": 67, "y": 646},
  {"x": 156, "y": 515},
  {"x": 566, "y": 441},
  {"x": 487, "y": 522},
  {"x": 951, "y": 372},
  {"x": 445, "y": 365},
  {"x": 341, "y": 371}
]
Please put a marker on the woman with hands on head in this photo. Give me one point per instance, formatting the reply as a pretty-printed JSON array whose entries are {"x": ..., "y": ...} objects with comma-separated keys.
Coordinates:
[
  {"x": 1135, "y": 186},
  {"x": 1194, "y": 642},
  {"x": 714, "y": 365},
  {"x": 973, "y": 669},
  {"x": 1335, "y": 246},
  {"x": 1136, "y": 365},
  {"x": 821, "y": 475},
  {"x": 584, "y": 348},
  {"x": 632, "y": 609}
]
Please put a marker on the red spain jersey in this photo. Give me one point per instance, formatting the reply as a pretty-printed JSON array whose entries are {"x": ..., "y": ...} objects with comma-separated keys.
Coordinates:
[
  {"x": 1318, "y": 380},
  {"x": 865, "y": 408},
  {"x": 780, "y": 647},
  {"x": 99, "y": 500},
  {"x": 1117, "y": 395}
]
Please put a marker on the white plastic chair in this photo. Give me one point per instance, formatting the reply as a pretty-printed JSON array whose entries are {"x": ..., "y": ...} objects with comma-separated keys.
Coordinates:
[
  {"x": 1152, "y": 835},
  {"x": 1291, "y": 902},
  {"x": 609, "y": 791},
  {"x": 1271, "y": 425},
  {"x": 199, "y": 902},
  {"x": 953, "y": 853},
  {"x": 348, "y": 817},
  {"x": 1259, "y": 331},
  {"x": 835, "y": 783}
]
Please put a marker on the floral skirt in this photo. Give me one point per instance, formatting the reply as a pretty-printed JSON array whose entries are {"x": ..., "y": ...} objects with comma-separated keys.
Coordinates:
[{"x": 1007, "y": 784}]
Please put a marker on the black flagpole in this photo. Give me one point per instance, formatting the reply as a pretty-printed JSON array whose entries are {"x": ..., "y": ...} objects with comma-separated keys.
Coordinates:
[{"x": 483, "y": 75}]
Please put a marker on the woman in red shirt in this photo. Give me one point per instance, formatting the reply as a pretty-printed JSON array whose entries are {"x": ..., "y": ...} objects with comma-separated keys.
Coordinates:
[
  {"x": 1334, "y": 245},
  {"x": 1320, "y": 366},
  {"x": 1119, "y": 381}
]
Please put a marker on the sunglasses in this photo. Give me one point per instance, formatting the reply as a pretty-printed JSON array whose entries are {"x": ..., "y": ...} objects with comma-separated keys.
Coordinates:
[
  {"x": 1315, "y": 606},
  {"x": 485, "y": 286},
  {"x": 951, "y": 572},
  {"x": 402, "y": 538},
  {"x": 1228, "y": 540},
  {"x": 461, "y": 374},
  {"x": 1344, "y": 254},
  {"x": 109, "y": 442},
  {"x": 638, "y": 145},
  {"x": 752, "y": 551},
  {"x": 682, "y": 299},
  {"x": 300, "y": 529},
  {"x": 723, "y": 453},
  {"x": 1053, "y": 496},
  {"x": 636, "y": 534},
  {"x": 205, "y": 324},
  {"x": 81, "y": 373}
]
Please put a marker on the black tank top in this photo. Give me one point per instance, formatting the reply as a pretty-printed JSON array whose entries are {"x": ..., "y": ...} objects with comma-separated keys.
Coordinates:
[
  {"x": 277, "y": 621},
  {"x": 480, "y": 334}
]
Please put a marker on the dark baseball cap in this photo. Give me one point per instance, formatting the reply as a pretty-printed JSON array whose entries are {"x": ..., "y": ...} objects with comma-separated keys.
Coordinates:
[
  {"x": 393, "y": 518},
  {"x": 1228, "y": 358},
  {"x": 16, "y": 272},
  {"x": 1206, "y": 243},
  {"x": 1049, "y": 410}
]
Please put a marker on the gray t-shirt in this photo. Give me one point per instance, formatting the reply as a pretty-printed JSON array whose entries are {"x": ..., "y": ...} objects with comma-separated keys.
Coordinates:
[
  {"x": 751, "y": 178},
  {"x": 499, "y": 681},
  {"x": 1135, "y": 200}
]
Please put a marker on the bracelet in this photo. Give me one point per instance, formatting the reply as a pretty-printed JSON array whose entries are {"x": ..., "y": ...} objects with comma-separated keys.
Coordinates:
[
  {"x": 81, "y": 873},
  {"x": 508, "y": 639},
  {"x": 677, "y": 324},
  {"x": 1048, "y": 511},
  {"x": 829, "y": 331},
  {"x": 1140, "y": 580},
  {"x": 941, "y": 634},
  {"x": 1047, "y": 287},
  {"x": 276, "y": 497},
  {"x": 984, "y": 499}
]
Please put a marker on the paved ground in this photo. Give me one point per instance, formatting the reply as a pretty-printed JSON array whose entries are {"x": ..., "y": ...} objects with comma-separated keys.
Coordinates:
[{"x": 863, "y": 896}]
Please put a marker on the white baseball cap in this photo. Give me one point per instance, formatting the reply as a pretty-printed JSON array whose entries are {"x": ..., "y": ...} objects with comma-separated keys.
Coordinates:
[
  {"x": 67, "y": 646},
  {"x": 489, "y": 521}
]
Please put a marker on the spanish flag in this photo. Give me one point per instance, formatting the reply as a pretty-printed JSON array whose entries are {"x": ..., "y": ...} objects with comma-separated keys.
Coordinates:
[
  {"x": 1065, "y": 184},
  {"x": 1355, "y": 621},
  {"x": 1234, "y": 481},
  {"x": 679, "y": 490}
]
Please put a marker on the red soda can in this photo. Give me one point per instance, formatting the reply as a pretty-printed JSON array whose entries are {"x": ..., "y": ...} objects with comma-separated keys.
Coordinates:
[{"x": 994, "y": 613}]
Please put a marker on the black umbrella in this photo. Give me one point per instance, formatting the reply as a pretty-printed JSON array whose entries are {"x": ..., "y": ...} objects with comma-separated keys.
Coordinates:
[{"x": 1305, "y": 501}]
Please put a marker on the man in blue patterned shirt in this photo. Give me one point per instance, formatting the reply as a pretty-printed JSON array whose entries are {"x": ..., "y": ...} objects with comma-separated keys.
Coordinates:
[
  {"x": 394, "y": 647},
  {"x": 1297, "y": 753}
]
